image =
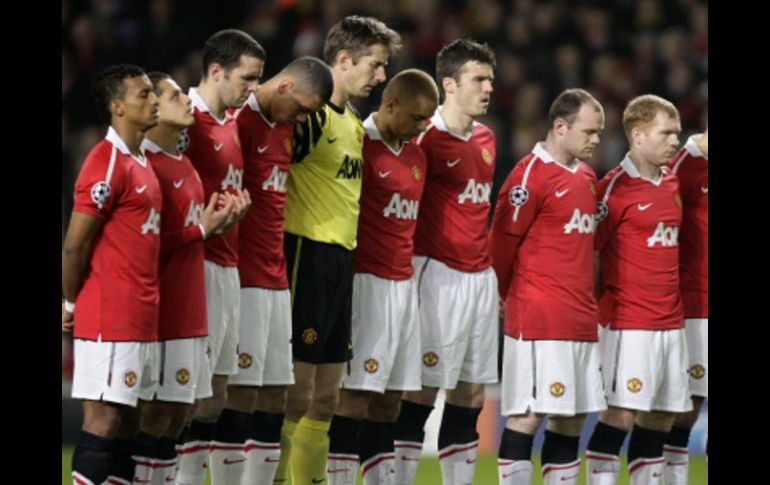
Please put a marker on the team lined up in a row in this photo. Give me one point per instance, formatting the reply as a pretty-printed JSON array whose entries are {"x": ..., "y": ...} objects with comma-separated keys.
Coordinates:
[{"x": 414, "y": 331}]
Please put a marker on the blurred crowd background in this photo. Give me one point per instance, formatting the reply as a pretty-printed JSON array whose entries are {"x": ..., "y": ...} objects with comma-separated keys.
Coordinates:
[{"x": 616, "y": 49}]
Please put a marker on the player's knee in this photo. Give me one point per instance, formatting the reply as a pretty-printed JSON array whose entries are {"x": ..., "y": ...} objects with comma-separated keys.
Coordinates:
[
  {"x": 656, "y": 420},
  {"x": 567, "y": 426},
  {"x": 325, "y": 403},
  {"x": 618, "y": 418},
  {"x": 242, "y": 398},
  {"x": 102, "y": 421},
  {"x": 384, "y": 411},
  {"x": 353, "y": 404},
  {"x": 156, "y": 422},
  {"x": 524, "y": 423},
  {"x": 272, "y": 399}
]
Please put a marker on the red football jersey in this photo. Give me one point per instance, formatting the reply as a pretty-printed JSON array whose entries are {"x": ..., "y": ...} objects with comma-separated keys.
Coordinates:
[
  {"x": 691, "y": 166},
  {"x": 393, "y": 182},
  {"x": 267, "y": 150},
  {"x": 638, "y": 237},
  {"x": 119, "y": 297},
  {"x": 452, "y": 226},
  {"x": 182, "y": 286},
  {"x": 551, "y": 208},
  {"x": 215, "y": 152}
]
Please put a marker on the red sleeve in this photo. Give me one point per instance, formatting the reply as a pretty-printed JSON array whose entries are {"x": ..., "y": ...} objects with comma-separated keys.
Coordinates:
[
  {"x": 609, "y": 211},
  {"x": 518, "y": 202},
  {"x": 174, "y": 240},
  {"x": 100, "y": 182}
]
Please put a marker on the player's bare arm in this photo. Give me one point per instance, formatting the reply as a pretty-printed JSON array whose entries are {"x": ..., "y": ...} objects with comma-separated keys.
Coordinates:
[{"x": 75, "y": 252}]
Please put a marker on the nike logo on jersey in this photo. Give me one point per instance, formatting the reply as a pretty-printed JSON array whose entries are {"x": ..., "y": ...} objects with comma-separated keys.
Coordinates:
[
  {"x": 408, "y": 458},
  {"x": 561, "y": 193},
  {"x": 331, "y": 140},
  {"x": 228, "y": 461},
  {"x": 383, "y": 174},
  {"x": 271, "y": 460},
  {"x": 178, "y": 183},
  {"x": 262, "y": 149},
  {"x": 337, "y": 470},
  {"x": 318, "y": 480},
  {"x": 705, "y": 190},
  {"x": 218, "y": 147},
  {"x": 643, "y": 207},
  {"x": 656, "y": 474},
  {"x": 452, "y": 163},
  {"x": 676, "y": 463},
  {"x": 571, "y": 477},
  {"x": 141, "y": 189},
  {"x": 169, "y": 479},
  {"x": 470, "y": 461}
]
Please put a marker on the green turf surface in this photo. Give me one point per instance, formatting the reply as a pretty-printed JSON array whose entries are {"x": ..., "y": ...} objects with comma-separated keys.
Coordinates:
[{"x": 428, "y": 473}]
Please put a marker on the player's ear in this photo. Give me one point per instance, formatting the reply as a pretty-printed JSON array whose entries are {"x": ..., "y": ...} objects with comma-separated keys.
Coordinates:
[
  {"x": 116, "y": 107},
  {"x": 285, "y": 86},
  {"x": 449, "y": 84},
  {"x": 344, "y": 58}
]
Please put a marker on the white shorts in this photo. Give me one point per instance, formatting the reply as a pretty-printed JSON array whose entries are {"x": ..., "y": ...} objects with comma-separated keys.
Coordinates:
[
  {"x": 646, "y": 370},
  {"x": 264, "y": 344},
  {"x": 185, "y": 373},
  {"x": 697, "y": 332},
  {"x": 114, "y": 371},
  {"x": 223, "y": 294},
  {"x": 559, "y": 377},
  {"x": 386, "y": 335},
  {"x": 458, "y": 324}
]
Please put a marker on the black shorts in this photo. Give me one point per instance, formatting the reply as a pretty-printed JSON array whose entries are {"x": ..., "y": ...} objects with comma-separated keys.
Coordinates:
[{"x": 321, "y": 282}]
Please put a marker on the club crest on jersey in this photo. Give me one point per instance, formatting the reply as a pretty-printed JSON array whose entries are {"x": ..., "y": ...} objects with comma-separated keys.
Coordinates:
[
  {"x": 183, "y": 376},
  {"x": 678, "y": 199},
  {"x": 244, "y": 361},
  {"x": 237, "y": 140},
  {"x": 518, "y": 196},
  {"x": 371, "y": 366},
  {"x": 601, "y": 211},
  {"x": 557, "y": 389},
  {"x": 697, "y": 371},
  {"x": 288, "y": 146},
  {"x": 592, "y": 187},
  {"x": 130, "y": 378},
  {"x": 416, "y": 173},
  {"x": 634, "y": 385},
  {"x": 100, "y": 192},
  {"x": 487, "y": 156},
  {"x": 309, "y": 336},
  {"x": 184, "y": 141},
  {"x": 430, "y": 359}
]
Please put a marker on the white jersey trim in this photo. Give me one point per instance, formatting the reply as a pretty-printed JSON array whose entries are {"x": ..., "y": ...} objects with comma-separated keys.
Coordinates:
[
  {"x": 633, "y": 172},
  {"x": 152, "y": 147},
  {"x": 541, "y": 153},
  {"x": 201, "y": 106},
  {"x": 117, "y": 142},
  {"x": 611, "y": 185},
  {"x": 438, "y": 121},
  {"x": 254, "y": 105},
  {"x": 524, "y": 184},
  {"x": 374, "y": 133},
  {"x": 692, "y": 147}
]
